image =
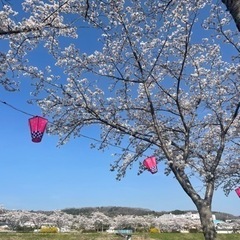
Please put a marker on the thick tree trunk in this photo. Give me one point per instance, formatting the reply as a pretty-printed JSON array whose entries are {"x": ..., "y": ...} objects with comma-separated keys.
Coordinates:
[
  {"x": 203, "y": 204},
  {"x": 233, "y": 6},
  {"x": 206, "y": 218}
]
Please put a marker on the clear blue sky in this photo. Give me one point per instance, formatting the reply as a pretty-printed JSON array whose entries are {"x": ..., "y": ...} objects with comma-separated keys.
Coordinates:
[{"x": 44, "y": 177}]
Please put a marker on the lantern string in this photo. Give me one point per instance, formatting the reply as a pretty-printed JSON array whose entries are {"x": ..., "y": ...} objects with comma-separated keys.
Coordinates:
[
  {"x": 17, "y": 109},
  {"x": 82, "y": 135}
]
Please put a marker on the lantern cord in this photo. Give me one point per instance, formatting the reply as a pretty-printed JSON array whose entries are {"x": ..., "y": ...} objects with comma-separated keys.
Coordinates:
[
  {"x": 110, "y": 144},
  {"x": 84, "y": 136},
  {"x": 17, "y": 109}
]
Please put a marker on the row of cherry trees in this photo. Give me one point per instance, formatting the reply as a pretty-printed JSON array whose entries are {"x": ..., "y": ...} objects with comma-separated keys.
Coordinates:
[{"x": 98, "y": 221}]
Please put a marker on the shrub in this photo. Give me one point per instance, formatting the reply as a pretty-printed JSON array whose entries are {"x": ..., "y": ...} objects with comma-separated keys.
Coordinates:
[
  {"x": 154, "y": 230},
  {"x": 48, "y": 230},
  {"x": 193, "y": 230},
  {"x": 24, "y": 229}
]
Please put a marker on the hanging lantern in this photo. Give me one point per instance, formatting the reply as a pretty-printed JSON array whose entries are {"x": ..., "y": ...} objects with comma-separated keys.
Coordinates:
[
  {"x": 37, "y": 128},
  {"x": 238, "y": 191},
  {"x": 151, "y": 164}
]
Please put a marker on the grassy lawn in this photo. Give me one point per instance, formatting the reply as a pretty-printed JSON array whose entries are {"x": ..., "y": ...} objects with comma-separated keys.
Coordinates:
[
  {"x": 57, "y": 236},
  {"x": 190, "y": 236},
  {"x": 104, "y": 236}
]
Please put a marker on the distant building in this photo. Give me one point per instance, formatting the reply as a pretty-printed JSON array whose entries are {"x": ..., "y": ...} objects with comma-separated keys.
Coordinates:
[{"x": 189, "y": 215}]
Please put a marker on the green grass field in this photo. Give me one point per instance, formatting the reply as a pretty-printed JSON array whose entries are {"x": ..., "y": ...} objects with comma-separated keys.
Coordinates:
[{"x": 105, "y": 236}]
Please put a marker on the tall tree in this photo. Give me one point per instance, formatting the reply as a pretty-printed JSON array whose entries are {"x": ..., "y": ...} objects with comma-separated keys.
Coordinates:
[{"x": 164, "y": 79}]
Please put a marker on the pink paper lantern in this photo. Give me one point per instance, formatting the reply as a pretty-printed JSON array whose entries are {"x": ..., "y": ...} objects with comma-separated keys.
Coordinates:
[
  {"x": 151, "y": 164},
  {"x": 238, "y": 191},
  {"x": 37, "y": 127}
]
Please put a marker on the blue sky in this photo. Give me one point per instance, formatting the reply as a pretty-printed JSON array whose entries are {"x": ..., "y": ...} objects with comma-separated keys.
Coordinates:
[{"x": 41, "y": 176}]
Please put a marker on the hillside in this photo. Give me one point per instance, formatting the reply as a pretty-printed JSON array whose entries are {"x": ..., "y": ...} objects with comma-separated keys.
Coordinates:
[{"x": 112, "y": 211}]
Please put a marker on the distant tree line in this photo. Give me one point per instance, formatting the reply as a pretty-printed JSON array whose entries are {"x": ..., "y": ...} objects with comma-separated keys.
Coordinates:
[
  {"x": 95, "y": 219},
  {"x": 113, "y": 211}
]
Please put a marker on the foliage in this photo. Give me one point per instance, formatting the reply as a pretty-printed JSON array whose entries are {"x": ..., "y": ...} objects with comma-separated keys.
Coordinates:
[
  {"x": 24, "y": 229},
  {"x": 178, "y": 212},
  {"x": 154, "y": 230},
  {"x": 48, "y": 230},
  {"x": 98, "y": 221},
  {"x": 112, "y": 211}
]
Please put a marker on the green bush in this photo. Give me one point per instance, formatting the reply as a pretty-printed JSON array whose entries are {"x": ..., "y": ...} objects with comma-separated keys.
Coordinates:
[
  {"x": 24, "y": 229},
  {"x": 193, "y": 230}
]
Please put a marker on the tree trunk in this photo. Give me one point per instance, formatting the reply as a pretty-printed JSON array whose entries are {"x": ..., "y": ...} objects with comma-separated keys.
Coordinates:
[
  {"x": 203, "y": 204},
  {"x": 206, "y": 218},
  {"x": 233, "y": 6}
]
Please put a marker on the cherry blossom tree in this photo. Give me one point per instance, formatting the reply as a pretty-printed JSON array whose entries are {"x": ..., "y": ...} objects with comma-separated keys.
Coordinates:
[
  {"x": 163, "y": 79},
  {"x": 60, "y": 219},
  {"x": 81, "y": 223},
  {"x": 101, "y": 221},
  {"x": 41, "y": 24},
  {"x": 122, "y": 222}
]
